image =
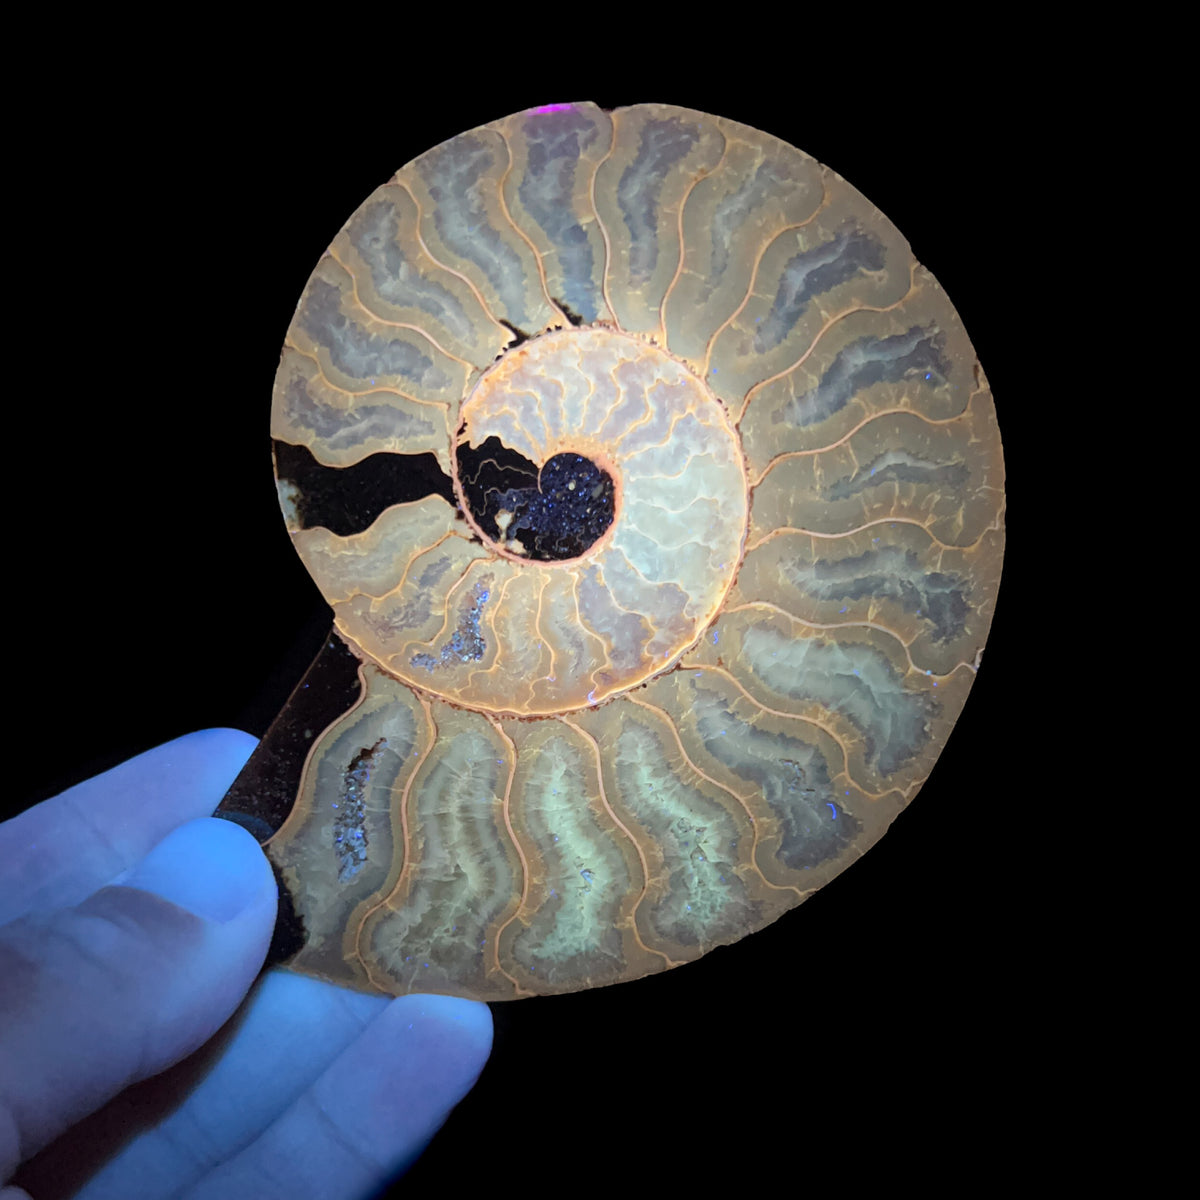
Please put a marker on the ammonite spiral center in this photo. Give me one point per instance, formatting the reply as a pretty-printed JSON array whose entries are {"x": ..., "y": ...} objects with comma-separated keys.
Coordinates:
[{"x": 625, "y": 422}]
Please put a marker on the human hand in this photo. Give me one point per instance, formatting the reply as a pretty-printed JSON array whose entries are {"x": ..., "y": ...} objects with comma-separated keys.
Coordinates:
[{"x": 130, "y": 931}]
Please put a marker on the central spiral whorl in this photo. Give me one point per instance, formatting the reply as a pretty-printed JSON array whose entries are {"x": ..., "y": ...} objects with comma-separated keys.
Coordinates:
[
  {"x": 549, "y": 514},
  {"x": 604, "y": 492},
  {"x": 655, "y": 535}
]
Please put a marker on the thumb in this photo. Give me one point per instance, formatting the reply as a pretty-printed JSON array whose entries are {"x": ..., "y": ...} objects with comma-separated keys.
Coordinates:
[{"x": 120, "y": 987}]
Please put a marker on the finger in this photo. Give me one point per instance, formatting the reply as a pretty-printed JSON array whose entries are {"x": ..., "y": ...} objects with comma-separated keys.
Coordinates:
[
  {"x": 60, "y": 851},
  {"x": 290, "y": 1030},
  {"x": 371, "y": 1113},
  {"x": 96, "y": 997}
]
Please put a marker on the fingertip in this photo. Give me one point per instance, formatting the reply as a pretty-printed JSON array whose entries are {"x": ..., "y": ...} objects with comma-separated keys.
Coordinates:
[
  {"x": 220, "y": 751},
  {"x": 60, "y": 851},
  {"x": 384, "y": 1097},
  {"x": 135, "y": 977},
  {"x": 450, "y": 1037},
  {"x": 236, "y": 740},
  {"x": 466, "y": 1023},
  {"x": 210, "y": 867}
]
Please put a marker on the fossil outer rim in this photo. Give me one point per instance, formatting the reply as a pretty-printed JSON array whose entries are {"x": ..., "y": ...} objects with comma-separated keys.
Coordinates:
[{"x": 438, "y": 848}]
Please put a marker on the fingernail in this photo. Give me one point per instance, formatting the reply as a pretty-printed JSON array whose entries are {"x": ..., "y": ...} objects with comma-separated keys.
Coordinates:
[{"x": 212, "y": 868}]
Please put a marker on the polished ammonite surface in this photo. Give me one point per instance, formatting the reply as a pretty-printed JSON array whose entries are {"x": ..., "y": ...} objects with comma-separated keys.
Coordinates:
[{"x": 701, "y": 574}]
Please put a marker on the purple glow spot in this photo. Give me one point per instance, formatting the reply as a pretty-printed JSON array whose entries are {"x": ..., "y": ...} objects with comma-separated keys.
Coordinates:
[{"x": 548, "y": 108}]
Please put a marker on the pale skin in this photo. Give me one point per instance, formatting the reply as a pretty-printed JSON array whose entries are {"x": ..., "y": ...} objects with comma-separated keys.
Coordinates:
[{"x": 132, "y": 927}]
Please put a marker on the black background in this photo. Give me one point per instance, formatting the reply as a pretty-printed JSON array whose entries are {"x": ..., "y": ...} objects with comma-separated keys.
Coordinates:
[{"x": 168, "y": 226}]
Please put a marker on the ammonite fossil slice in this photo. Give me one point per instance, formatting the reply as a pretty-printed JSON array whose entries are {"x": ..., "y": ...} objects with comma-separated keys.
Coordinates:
[{"x": 658, "y": 495}]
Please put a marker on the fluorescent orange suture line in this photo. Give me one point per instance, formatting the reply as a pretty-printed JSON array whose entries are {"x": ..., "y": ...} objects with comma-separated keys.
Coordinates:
[
  {"x": 812, "y": 533},
  {"x": 762, "y": 253},
  {"x": 754, "y": 824},
  {"x": 382, "y": 320},
  {"x": 401, "y": 883},
  {"x": 505, "y": 808},
  {"x": 612, "y": 145},
  {"x": 603, "y": 646},
  {"x": 687, "y": 195},
  {"x": 619, "y": 436},
  {"x": 537, "y": 257},
  {"x": 491, "y": 614},
  {"x": 912, "y": 666},
  {"x": 676, "y": 417},
  {"x": 542, "y": 638},
  {"x": 312, "y": 750},
  {"x": 371, "y": 390},
  {"x": 829, "y": 324},
  {"x": 883, "y": 412},
  {"x": 603, "y": 795},
  {"x": 412, "y": 558},
  {"x": 447, "y": 604},
  {"x": 783, "y": 612},
  {"x": 775, "y": 712},
  {"x": 521, "y": 421},
  {"x": 506, "y": 334}
]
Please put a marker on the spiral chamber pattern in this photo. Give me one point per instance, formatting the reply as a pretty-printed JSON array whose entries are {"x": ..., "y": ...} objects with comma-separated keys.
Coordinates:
[{"x": 569, "y": 772}]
